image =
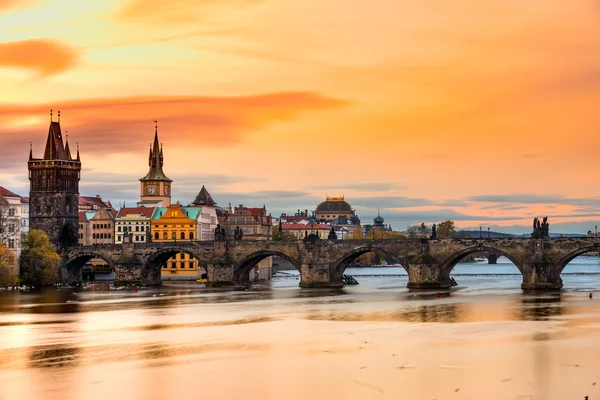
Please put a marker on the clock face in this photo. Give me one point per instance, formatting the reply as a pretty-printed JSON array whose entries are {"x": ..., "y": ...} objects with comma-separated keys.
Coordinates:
[{"x": 151, "y": 190}]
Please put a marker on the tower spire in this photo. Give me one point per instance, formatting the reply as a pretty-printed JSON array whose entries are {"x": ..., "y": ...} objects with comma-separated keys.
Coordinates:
[
  {"x": 67, "y": 149},
  {"x": 51, "y": 115},
  {"x": 78, "y": 159},
  {"x": 30, "y": 151},
  {"x": 59, "y": 116}
]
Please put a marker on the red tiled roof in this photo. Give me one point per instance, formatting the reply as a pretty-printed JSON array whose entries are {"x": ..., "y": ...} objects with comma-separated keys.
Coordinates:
[
  {"x": 7, "y": 193},
  {"x": 94, "y": 201},
  {"x": 145, "y": 211},
  {"x": 82, "y": 216},
  {"x": 294, "y": 227},
  {"x": 24, "y": 199}
]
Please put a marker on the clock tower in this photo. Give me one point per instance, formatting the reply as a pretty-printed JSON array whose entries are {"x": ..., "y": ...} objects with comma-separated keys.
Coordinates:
[{"x": 155, "y": 187}]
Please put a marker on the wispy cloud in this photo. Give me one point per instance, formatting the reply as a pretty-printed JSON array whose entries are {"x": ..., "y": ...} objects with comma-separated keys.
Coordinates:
[
  {"x": 174, "y": 11},
  {"x": 118, "y": 124}
]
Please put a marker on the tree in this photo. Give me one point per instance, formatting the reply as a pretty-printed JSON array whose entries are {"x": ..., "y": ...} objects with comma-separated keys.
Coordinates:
[
  {"x": 39, "y": 261},
  {"x": 8, "y": 277},
  {"x": 357, "y": 232},
  {"x": 424, "y": 230},
  {"x": 446, "y": 230},
  {"x": 412, "y": 231}
]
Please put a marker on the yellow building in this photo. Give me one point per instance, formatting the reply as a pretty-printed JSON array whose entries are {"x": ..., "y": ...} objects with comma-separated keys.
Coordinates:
[{"x": 177, "y": 224}]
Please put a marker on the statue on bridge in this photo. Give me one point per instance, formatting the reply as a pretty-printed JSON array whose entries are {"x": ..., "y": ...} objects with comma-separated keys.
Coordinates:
[
  {"x": 433, "y": 232},
  {"x": 541, "y": 229},
  {"x": 220, "y": 234},
  {"x": 238, "y": 233}
]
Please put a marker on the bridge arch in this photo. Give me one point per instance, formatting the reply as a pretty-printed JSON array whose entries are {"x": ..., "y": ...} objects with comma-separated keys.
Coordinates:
[
  {"x": 154, "y": 262},
  {"x": 564, "y": 261},
  {"x": 241, "y": 273},
  {"x": 347, "y": 259},
  {"x": 74, "y": 262},
  {"x": 450, "y": 262}
]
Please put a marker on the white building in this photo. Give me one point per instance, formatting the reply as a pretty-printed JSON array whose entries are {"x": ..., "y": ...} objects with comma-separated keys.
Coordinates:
[
  {"x": 10, "y": 222},
  {"x": 207, "y": 219},
  {"x": 136, "y": 221}
]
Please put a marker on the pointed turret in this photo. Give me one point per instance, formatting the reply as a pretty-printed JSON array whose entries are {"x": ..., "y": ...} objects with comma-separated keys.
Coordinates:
[
  {"x": 68, "y": 150},
  {"x": 156, "y": 162},
  {"x": 30, "y": 151},
  {"x": 78, "y": 159},
  {"x": 204, "y": 198},
  {"x": 55, "y": 149}
]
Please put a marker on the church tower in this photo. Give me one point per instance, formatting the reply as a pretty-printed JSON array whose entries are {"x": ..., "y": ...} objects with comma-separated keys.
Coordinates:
[
  {"x": 54, "y": 189},
  {"x": 155, "y": 187}
]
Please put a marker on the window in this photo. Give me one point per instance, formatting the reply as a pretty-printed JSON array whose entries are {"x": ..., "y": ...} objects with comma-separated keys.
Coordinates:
[
  {"x": 11, "y": 243},
  {"x": 191, "y": 235},
  {"x": 11, "y": 227},
  {"x": 191, "y": 264},
  {"x": 119, "y": 238},
  {"x": 173, "y": 265},
  {"x": 181, "y": 265},
  {"x": 174, "y": 236},
  {"x": 110, "y": 235},
  {"x": 182, "y": 235},
  {"x": 156, "y": 236},
  {"x": 142, "y": 239},
  {"x": 137, "y": 228},
  {"x": 165, "y": 236},
  {"x": 118, "y": 229},
  {"x": 11, "y": 212}
]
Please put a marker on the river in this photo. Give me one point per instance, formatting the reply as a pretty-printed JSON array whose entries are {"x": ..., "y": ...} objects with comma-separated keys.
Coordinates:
[{"x": 484, "y": 338}]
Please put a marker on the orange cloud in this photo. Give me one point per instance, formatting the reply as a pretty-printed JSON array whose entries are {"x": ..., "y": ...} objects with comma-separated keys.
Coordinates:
[
  {"x": 46, "y": 56},
  {"x": 124, "y": 124}
]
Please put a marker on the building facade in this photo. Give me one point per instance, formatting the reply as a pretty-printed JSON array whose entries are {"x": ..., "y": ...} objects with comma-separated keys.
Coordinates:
[
  {"x": 208, "y": 217},
  {"x": 301, "y": 231},
  {"x": 54, "y": 190},
  {"x": 177, "y": 224},
  {"x": 10, "y": 223},
  {"x": 136, "y": 221},
  {"x": 155, "y": 187},
  {"x": 254, "y": 222},
  {"x": 96, "y": 227}
]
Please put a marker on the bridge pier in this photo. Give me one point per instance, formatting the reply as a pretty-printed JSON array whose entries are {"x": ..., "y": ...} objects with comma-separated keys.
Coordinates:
[
  {"x": 427, "y": 276},
  {"x": 493, "y": 258},
  {"x": 319, "y": 276},
  {"x": 541, "y": 276},
  {"x": 219, "y": 275}
]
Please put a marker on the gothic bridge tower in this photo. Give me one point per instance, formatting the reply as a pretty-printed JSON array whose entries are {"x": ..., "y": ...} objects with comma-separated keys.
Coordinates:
[
  {"x": 155, "y": 187},
  {"x": 54, "y": 189}
]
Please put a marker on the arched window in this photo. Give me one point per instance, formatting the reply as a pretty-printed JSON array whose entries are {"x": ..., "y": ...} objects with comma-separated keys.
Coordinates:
[
  {"x": 191, "y": 235},
  {"x": 156, "y": 236},
  {"x": 165, "y": 236},
  {"x": 174, "y": 236},
  {"x": 182, "y": 235}
]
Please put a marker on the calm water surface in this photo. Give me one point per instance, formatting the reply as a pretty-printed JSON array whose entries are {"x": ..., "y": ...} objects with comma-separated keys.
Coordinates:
[{"x": 97, "y": 341}]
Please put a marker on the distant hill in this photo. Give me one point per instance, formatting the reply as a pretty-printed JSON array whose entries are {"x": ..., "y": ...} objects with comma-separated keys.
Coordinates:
[
  {"x": 474, "y": 234},
  {"x": 484, "y": 234}
]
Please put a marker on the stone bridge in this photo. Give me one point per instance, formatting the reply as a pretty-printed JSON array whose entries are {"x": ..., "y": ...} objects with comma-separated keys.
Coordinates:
[{"x": 322, "y": 262}]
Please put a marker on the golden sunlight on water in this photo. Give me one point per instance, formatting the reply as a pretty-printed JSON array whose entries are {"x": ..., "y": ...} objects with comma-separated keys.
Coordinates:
[{"x": 377, "y": 340}]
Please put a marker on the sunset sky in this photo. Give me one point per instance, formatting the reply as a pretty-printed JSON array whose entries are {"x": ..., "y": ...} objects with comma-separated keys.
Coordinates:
[{"x": 484, "y": 112}]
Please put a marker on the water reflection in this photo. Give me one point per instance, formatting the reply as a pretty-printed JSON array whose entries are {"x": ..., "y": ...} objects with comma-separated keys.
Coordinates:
[
  {"x": 53, "y": 357},
  {"x": 541, "y": 307}
]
